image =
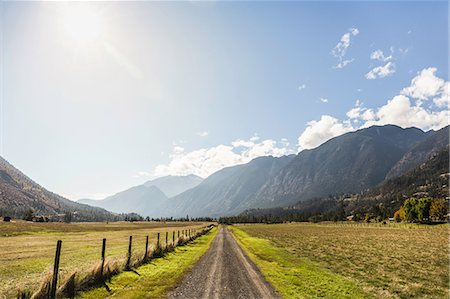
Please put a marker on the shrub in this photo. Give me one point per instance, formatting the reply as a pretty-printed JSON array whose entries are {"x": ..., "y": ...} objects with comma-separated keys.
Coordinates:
[
  {"x": 438, "y": 209},
  {"x": 399, "y": 215}
]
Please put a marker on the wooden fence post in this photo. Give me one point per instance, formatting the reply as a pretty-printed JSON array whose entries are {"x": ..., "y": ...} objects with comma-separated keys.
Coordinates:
[
  {"x": 157, "y": 242},
  {"x": 55, "y": 270},
  {"x": 129, "y": 253},
  {"x": 178, "y": 234},
  {"x": 103, "y": 257},
  {"x": 173, "y": 238},
  {"x": 146, "y": 248},
  {"x": 167, "y": 238}
]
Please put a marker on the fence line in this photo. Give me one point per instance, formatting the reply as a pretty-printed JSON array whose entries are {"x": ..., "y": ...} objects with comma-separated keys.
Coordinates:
[{"x": 101, "y": 275}]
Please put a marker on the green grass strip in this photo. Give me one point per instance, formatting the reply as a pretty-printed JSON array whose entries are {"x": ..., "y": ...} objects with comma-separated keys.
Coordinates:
[
  {"x": 293, "y": 276},
  {"x": 156, "y": 278}
]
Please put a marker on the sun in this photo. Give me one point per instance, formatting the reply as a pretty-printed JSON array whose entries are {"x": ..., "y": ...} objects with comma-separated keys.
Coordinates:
[{"x": 81, "y": 25}]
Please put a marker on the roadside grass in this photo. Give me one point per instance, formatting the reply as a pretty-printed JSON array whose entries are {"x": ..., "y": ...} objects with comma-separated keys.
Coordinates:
[
  {"x": 388, "y": 261},
  {"x": 27, "y": 249},
  {"x": 295, "y": 277},
  {"x": 156, "y": 278}
]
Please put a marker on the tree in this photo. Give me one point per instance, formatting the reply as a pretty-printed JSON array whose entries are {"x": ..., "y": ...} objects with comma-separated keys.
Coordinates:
[
  {"x": 423, "y": 208},
  {"x": 29, "y": 215},
  {"x": 399, "y": 215},
  {"x": 438, "y": 209},
  {"x": 410, "y": 209},
  {"x": 68, "y": 217},
  {"x": 417, "y": 209}
]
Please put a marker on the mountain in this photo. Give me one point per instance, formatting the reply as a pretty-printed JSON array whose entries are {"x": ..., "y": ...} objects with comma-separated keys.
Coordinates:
[
  {"x": 174, "y": 185},
  {"x": 427, "y": 179},
  {"x": 352, "y": 162},
  {"x": 435, "y": 142},
  {"x": 228, "y": 191},
  {"x": 144, "y": 200},
  {"x": 18, "y": 194}
]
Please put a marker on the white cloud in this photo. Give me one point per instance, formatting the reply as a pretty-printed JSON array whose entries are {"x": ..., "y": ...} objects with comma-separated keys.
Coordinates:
[
  {"x": 400, "y": 110},
  {"x": 323, "y": 100},
  {"x": 242, "y": 143},
  {"x": 343, "y": 63},
  {"x": 203, "y": 162},
  {"x": 178, "y": 149},
  {"x": 381, "y": 71},
  {"x": 301, "y": 87},
  {"x": 317, "y": 132},
  {"x": 284, "y": 142},
  {"x": 368, "y": 115},
  {"x": 203, "y": 134},
  {"x": 143, "y": 173},
  {"x": 254, "y": 138},
  {"x": 379, "y": 55},
  {"x": 444, "y": 100},
  {"x": 423, "y": 104},
  {"x": 340, "y": 50},
  {"x": 354, "y": 113},
  {"x": 425, "y": 85}
]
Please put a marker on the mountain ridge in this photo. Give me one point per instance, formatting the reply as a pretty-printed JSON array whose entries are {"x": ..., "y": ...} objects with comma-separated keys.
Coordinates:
[
  {"x": 19, "y": 194},
  {"x": 146, "y": 199}
]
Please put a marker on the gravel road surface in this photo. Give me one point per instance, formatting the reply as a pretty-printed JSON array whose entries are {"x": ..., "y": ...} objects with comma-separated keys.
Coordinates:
[{"x": 224, "y": 272}]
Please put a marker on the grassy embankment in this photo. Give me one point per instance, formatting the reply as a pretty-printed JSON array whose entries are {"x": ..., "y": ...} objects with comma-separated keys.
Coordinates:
[
  {"x": 331, "y": 260},
  {"x": 27, "y": 249},
  {"x": 155, "y": 279}
]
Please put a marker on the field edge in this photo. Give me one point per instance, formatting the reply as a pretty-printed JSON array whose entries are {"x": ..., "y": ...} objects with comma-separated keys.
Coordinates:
[
  {"x": 157, "y": 278},
  {"x": 292, "y": 279}
]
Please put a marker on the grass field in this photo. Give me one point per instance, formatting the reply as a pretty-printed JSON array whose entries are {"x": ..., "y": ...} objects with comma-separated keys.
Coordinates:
[
  {"x": 384, "y": 261},
  {"x": 27, "y": 249},
  {"x": 153, "y": 280}
]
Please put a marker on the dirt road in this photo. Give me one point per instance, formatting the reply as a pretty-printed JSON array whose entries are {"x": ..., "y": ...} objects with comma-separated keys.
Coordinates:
[{"x": 224, "y": 272}]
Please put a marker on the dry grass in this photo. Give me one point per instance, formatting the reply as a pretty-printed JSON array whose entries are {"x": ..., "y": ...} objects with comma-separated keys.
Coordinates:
[
  {"x": 27, "y": 249},
  {"x": 398, "y": 261}
]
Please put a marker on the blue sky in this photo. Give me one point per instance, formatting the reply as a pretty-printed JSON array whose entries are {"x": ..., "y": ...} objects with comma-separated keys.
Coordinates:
[{"x": 97, "y": 97}]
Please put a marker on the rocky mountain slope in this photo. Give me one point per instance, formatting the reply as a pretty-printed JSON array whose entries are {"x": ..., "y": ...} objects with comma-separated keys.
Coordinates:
[
  {"x": 18, "y": 194},
  {"x": 418, "y": 154},
  {"x": 227, "y": 191},
  {"x": 427, "y": 179},
  {"x": 352, "y": 162}
]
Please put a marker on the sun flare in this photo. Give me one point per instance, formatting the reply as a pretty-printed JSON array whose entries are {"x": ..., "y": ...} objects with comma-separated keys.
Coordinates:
[{"x": 81, "y": 25}]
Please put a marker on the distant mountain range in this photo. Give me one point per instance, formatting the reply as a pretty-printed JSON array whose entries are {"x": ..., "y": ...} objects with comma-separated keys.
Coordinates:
[
  {"x": 350, "y": 163},
  {"x": 19, "y": 194},
  {"x": 148, "y": 199},
  {"x": 228, "y": 191},
  {"x": 354, "y": 162},
  {"x": 174, "y": 185}
]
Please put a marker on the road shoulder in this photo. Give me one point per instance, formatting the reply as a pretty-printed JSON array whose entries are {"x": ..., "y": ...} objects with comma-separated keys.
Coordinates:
[{"x": 158, "y": 277}]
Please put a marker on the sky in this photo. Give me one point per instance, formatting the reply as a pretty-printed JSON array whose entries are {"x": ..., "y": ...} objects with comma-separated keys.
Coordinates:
[{"x": 97, "y": 97}]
